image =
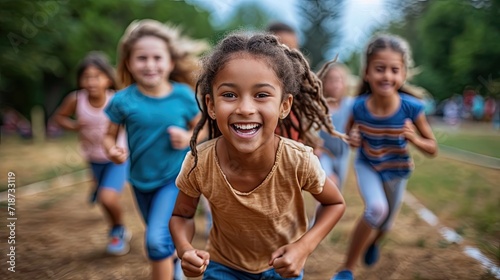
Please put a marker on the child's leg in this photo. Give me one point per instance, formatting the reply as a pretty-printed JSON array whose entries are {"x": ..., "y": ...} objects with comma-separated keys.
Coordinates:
[
  {"x": 376, "y": 210},
  {"x": 340, "y": 167},
  {"x": 97, "y": 172},
  {"x": 394, "y": 191},
  {"x": 110, "y": 201},
  {"x": 159, "y": 244},
  {"x": 112, "y": 183}
]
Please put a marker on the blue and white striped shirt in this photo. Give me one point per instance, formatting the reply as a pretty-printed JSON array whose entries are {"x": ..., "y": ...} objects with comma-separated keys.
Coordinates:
[{"x": 383, "y": 145}]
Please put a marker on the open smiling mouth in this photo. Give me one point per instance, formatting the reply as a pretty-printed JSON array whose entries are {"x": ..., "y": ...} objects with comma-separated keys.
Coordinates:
[{"x": 246, "y": 129}]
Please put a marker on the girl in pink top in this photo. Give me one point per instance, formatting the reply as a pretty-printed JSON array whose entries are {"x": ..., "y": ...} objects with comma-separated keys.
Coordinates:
[{"x": 96, "y": 80}]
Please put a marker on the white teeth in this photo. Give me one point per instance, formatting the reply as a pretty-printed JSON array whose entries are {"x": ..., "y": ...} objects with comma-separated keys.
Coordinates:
[{"x": 246, "y": 126}]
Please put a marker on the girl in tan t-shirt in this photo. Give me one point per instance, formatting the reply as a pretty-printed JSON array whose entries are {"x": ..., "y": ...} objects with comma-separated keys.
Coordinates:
[{"x": 252, "y": 178}]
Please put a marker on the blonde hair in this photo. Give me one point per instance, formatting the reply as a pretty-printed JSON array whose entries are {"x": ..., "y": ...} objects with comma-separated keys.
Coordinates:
[
  {"x": 183, "y": 50},
  {"x": 395, "y": 43},
  {"x": 334, "y": 65}
]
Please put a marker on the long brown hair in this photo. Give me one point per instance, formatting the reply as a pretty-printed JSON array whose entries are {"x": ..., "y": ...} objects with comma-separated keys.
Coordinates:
[
  {"x": 182, "y": 50},
  {"x": 382, "y": 42}
]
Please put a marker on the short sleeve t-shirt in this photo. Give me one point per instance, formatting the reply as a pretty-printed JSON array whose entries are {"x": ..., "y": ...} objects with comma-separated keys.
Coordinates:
[
  {"x": 383, "y": 145},
  {"x": 249, "y": 227},
  {"x": 153, "y": 160}
]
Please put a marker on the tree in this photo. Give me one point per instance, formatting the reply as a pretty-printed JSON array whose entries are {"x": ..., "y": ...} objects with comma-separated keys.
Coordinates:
[
  {"x": 321, "y": 28},
  {"x": 42, "y": 41},
  {"x": 452, "y": 43}
]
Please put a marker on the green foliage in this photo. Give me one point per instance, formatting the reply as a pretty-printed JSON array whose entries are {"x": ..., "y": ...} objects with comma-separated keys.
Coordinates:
[
  {"x": 453, "y": 44},
  {"x": 43, "y": 41}
]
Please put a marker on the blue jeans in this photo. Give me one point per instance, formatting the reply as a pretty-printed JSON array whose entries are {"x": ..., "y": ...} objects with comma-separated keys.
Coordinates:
[
  {"x": 217, "y": 271},
  {"x": 156, "y": 208},
  {"x": 108, "y": 175},
  {"x": 337, "y": 166},
  {"x": 382, "y": 199}
]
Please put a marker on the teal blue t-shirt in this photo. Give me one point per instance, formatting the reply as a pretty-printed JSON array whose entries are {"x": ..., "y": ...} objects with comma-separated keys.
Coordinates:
[{"x": 153, "y": 161}]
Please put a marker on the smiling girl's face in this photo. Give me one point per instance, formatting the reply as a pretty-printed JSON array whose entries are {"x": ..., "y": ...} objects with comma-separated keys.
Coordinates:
[{"x": 247, "y": 103}]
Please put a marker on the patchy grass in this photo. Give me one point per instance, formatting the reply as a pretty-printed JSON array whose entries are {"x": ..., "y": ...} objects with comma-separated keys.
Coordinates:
[
  {"x": 463, "y": 196},
  {"x": 32, "y": 162}
]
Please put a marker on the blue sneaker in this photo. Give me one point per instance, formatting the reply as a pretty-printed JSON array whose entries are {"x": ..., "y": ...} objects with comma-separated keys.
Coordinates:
[
  {"x": 119, "y": 243},
  {"x": 343, "y": 275},
  {"x": 371, "y": 255}
]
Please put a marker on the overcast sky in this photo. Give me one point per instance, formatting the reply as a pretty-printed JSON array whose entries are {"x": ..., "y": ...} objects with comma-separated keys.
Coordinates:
[{"x": 359, "y": 17}]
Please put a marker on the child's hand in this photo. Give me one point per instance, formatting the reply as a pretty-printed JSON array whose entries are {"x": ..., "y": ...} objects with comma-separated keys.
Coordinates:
[
  {"x": 179, "y": 137},
  {"x": 79, "y": 125},
  {"x": 194, "y": 262},
  {"x": 409, "y": 131},
  {"x": 354, "y": 139},
  {"x": 117, "y": 154},
  {"x": 289, "y": 260}
]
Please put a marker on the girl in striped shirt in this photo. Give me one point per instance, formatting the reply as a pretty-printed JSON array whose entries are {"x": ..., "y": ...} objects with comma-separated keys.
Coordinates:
[{"x": 385, "y": 118}]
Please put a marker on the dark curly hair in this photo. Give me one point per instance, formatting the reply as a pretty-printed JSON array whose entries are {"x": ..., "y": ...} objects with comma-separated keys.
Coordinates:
[{"x": 293, "y": 72}]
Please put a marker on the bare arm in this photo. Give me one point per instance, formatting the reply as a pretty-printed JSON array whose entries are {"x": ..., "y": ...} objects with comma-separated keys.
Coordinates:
[
  {"x": 182, "y": 227},
  {"x": 67, "y": 109},
  {"x": 180, "y": 137},
  {"x": 289, "y": 260},
  {"x": 351, "y": 129},
  {"x": 331, "y": 209},
  {"x": 425, "y": 142},
  {"x": 116, "y": 154}
]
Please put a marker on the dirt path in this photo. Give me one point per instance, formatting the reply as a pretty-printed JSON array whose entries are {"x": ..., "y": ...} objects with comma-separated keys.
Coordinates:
[{"x": 60, "y": 236}]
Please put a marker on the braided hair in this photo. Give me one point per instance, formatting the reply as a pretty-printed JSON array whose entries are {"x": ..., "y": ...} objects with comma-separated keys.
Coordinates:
[{"x": 292, "y": 70}]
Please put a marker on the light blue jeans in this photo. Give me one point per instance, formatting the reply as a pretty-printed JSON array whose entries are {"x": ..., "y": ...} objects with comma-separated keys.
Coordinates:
[
  {"x": 217, "y": 271},
  {"x": 156, "y": 208},
  {"x": 337, "y": 166},
  {"x": 382, "y": 199}
]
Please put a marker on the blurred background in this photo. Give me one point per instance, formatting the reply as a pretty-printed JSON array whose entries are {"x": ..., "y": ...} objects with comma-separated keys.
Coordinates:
[
  {"x": 453, "y": 40},
  {"x": 456, "y": 49}
]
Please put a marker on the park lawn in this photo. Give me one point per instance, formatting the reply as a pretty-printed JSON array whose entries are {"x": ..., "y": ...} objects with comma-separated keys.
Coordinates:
[
  {"x": 488, "y": 145},
  {"x": 32, "y": 162},
  {"x": 465, "y": 197}
]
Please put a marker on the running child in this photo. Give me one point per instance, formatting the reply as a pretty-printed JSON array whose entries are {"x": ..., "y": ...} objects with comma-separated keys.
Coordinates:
[
  {"x": 96, "y": 80},
  {"x": 386, "y": 117},
  {"x": 253, "y": 178},
  {"x": 159, "y": 114},
  {"x": 334, "y": 154}
]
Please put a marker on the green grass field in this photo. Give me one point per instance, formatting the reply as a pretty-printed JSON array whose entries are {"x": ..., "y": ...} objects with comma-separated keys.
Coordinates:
[
  {"x": 465, "y": 197},
  {"x": 488, "y": 145}
]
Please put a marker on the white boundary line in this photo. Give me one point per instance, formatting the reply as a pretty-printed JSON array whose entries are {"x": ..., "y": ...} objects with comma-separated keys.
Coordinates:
[
  {"x": 425, "y": 214},
  {"x": 57, "y": 182},
  {"x": 449, "y": 234}
]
